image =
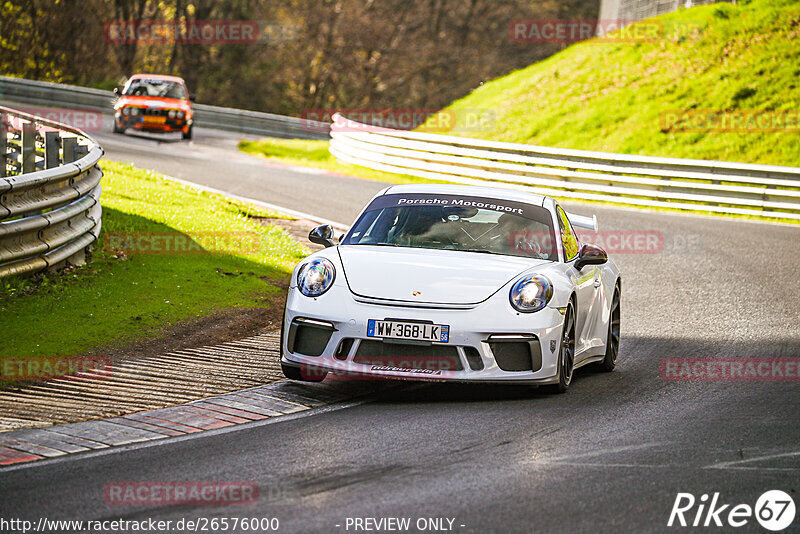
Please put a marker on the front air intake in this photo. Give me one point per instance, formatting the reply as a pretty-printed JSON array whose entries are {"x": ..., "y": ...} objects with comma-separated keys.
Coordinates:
[
  {"x": 516, "y": 352},
  {"x": 406, "y": 356},
  {"x": 309, "y": 337}
]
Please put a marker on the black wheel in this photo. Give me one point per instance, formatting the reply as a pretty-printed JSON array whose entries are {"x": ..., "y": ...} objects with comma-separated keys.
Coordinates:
[
  {"x": 303, "y": 374},
  {"x": 117, "y": 129},
  {"x": 188, "y": 133},
  {"x": 566, "y": 355},
  {"x": 612, "y": 344}
]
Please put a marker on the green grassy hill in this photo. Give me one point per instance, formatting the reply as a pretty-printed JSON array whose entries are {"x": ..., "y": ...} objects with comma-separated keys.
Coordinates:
[{"x": 623, "y": 96}]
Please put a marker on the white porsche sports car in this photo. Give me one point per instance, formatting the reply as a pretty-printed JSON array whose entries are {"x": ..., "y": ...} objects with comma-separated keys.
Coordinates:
[{"x": 448, "y": 282}]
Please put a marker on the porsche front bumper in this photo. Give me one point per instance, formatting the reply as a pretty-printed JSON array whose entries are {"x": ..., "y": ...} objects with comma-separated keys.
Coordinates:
[{"x": 489, "y": 342}]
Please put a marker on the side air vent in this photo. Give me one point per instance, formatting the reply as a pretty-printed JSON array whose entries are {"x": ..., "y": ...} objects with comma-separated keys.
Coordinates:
[
  {"x": 309, "y": 337},
  {"x": 516, "y": 352}
]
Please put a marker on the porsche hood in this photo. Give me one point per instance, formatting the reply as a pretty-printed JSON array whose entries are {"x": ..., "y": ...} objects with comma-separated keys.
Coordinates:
[{"x": 428, "y": 276}]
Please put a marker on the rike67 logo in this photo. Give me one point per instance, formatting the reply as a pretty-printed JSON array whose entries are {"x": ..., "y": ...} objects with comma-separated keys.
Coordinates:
[{"x": 774, "y": 510}]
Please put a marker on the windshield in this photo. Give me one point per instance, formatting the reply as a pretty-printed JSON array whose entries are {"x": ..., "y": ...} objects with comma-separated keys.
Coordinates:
[
  {"x": 156, "y": 88},
  {"x": 466, "y": 223}
]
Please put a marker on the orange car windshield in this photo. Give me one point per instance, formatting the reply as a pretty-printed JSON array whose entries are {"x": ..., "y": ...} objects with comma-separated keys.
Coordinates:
[{"x": 155, "y": 88}]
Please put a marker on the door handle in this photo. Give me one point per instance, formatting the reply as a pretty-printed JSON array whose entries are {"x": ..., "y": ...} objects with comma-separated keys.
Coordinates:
[{"x": 596, "y": 282}]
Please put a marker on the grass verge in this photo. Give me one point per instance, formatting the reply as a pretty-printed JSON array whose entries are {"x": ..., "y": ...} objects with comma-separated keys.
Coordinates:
[
  {"x": 315, "y": 154},
  {"x": 221, "y": 258},
  {"x": 651, "y": 96}
]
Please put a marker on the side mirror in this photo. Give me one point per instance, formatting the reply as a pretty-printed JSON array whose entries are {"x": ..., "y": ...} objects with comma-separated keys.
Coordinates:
[
  {"x": 322, "y": 235},
  {"x": 192, "y": 97},
  {"x": 117, "y": 91},
  {"x": 590, "y": 255}
]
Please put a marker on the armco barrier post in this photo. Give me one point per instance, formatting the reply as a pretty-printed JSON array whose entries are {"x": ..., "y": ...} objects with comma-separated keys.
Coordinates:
[
  {"x": 3, "y": 144},
  {"x": 79, "y": 258},
  {"x": 77, "y": 152},
  {"x": 28, "y": 147},
  {"x": 68, "y": 145},
  {"x": 52, "y": 148}
]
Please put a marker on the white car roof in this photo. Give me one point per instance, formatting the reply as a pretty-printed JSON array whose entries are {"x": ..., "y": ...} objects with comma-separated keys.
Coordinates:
[{"x": 468, "y": 190}]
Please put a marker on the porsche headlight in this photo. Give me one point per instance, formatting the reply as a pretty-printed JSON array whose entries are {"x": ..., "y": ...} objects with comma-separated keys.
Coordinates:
[
  {"x": 134, "y": 111},
  {"x": 315, "y": 277},
  {"x": 180, "y": 114},
  {"x": 125, "y": 111},
  {"x": 531, "y": 293},
  {"x": 171, "y": 114}
]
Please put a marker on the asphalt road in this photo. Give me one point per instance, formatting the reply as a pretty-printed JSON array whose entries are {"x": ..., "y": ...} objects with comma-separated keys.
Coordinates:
[{"x": 610, "y": 455}]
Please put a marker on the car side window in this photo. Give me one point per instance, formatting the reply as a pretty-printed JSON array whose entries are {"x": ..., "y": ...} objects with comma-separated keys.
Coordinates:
[{"x": 568, "y": 238}]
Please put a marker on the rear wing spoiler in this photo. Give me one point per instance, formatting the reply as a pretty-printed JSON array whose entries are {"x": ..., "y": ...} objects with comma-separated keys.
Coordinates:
[{"x": 581, "y": 221}]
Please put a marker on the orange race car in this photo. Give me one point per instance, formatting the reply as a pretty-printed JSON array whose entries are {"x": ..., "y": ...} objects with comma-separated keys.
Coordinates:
[{"x": 154, "y": 103}]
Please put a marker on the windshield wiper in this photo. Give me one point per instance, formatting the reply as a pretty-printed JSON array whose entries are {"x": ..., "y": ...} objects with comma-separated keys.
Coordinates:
[{"x": 478, "y": 250}]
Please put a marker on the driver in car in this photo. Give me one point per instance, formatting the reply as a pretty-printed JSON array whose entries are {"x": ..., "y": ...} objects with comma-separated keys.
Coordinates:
[{"x": 517, "y": 236}]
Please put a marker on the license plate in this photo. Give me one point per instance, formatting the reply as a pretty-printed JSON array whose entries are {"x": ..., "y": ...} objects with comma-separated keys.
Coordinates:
[
  {"x": 154, "y": 119},
  {"x": 439, "y": 333}
]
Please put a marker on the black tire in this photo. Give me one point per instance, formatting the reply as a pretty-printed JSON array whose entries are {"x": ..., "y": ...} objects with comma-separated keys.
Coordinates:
[
  {"x": 297, "y": 373},
  {"x": 188, "y": 133},
  {"x": 117, "y": 129},
  {"x": 566, "y": 353},
  {"x": 612, "y": 341},
  {"x": 291, "y": 372}
]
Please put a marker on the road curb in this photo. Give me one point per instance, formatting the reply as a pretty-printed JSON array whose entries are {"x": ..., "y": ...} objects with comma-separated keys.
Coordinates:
[{"x": 268, "y": 402}]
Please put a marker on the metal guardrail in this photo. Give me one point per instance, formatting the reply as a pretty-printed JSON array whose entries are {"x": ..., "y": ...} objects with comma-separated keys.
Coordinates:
[
  {"x": 49, "y": 193},
  {"x": 235, "y": 120},
  {"x": 258, "y": 123},
  {"x": 696, "y": 185}
]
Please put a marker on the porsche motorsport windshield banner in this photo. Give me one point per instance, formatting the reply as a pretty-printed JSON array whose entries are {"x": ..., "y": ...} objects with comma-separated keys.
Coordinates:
[{"x": 529, "y": 211}]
